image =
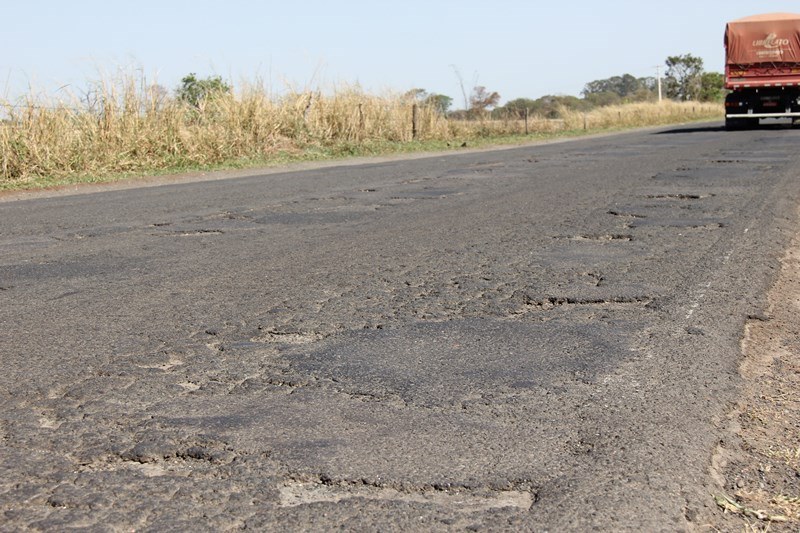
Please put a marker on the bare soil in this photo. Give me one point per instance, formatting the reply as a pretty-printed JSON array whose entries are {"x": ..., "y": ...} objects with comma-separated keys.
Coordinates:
[{"x": 759, "y": 468}]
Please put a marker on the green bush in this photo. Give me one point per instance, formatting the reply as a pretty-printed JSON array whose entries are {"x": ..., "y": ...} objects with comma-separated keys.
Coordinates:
[{"x": 193, "y": 91}]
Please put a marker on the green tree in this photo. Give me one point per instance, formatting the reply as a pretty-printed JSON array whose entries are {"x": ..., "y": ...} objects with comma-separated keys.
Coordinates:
[
  {"x": 616, "y": 89},
  {"x": 712, "y": 87},
  {"x": 194, "y": 91},
  {"x": 683, "y": 79},
  {"x": 624, "y": 86},
  {"x": 439, "y": 102},
  {"x": 515, "y": 108},
  {"x": 548, "y": 106}
]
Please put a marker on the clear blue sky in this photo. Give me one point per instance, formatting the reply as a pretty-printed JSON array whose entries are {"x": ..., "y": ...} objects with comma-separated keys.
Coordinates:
[{"x": 522, "y": 48}]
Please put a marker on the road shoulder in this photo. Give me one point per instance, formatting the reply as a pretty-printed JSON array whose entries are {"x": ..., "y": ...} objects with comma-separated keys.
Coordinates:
[{"x": 758, "y": 468}]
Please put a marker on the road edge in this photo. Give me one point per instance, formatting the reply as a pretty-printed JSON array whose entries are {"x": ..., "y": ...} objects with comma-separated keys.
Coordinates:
[
  {"x": 757, "y": 466},
  {"x": 145, "y": 181}
]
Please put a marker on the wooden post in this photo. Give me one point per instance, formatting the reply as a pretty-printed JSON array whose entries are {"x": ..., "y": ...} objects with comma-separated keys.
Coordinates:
[
  {"x": 526, "y": 121},
  {"x": 585, "y": 122},
  {"x": 308, "y": 108},
  {"x": 414, "y": 124}
]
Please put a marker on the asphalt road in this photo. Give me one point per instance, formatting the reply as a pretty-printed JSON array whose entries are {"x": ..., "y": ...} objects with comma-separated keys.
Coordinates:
[{"x": 541, "y": 338}]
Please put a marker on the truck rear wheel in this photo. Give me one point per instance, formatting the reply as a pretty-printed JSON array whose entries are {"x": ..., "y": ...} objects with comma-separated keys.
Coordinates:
[
  {"x": 740, "y": 123},
  {"x": 732, "y": 124}
]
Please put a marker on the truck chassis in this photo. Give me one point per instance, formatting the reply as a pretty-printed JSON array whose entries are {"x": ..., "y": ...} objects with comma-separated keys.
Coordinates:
[{"x": 745, "y": 106}]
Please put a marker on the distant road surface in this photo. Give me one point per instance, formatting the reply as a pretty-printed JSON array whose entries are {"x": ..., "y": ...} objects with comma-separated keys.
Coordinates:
[{"x": 539, "y": 338}]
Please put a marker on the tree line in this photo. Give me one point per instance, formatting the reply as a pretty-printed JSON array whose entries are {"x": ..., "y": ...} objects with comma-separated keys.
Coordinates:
[{"x": 685, "y": 79}]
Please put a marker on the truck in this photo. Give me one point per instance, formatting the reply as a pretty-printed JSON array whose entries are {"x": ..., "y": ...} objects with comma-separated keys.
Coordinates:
[{"x": 762, "y": 69}]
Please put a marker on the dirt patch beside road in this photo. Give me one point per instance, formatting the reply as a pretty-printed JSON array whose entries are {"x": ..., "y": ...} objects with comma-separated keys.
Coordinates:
[{"x": 760, "y": 467}]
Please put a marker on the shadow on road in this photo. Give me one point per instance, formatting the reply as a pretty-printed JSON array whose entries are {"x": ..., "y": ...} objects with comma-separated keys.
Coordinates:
[
  {"x": 693, "y": 129},
  {"x": 705, "y": 128}
]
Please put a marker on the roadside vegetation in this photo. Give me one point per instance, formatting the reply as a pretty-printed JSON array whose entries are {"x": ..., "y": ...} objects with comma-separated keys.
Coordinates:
[
  {"x": 760, "y": 468},
  {"x": 126, "y": 126}
]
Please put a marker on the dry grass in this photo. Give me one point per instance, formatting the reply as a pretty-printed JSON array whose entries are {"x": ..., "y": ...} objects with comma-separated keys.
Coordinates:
[
  {"x": 123, "y": 126},
  {"x": 762, "y": 475},
  {"x": 643, "y": 114}
]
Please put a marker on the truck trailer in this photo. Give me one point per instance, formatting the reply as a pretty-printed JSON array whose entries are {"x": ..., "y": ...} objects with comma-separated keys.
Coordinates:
[{"x": 762, "y": 69}]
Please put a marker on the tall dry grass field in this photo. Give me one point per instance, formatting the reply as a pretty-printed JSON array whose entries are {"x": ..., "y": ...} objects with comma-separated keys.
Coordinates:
[
  {"x": 123, "y": 126},
  {"x": 642, "y": 114}
]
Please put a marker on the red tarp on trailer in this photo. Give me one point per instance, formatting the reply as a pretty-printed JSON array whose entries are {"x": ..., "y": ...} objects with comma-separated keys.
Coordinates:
[{"x": 770, "y": 38}]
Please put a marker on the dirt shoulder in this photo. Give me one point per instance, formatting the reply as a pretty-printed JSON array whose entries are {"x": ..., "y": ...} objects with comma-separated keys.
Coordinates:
[{"x": 759, "y": 468}]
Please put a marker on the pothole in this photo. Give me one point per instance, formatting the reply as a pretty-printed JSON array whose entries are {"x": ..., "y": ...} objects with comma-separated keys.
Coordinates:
[
  {"x": 48, "y": 422},
  {"x": 432, "y": 364},
  {"x": 679, "y": 223},
  {"x": 603, "y": 237},
  {"x": 200, "y": 232},
  {"x": 287, "y": 337},
  {"x": 678, "y": 196},
  {"x": 553, "y": 301},
  {"x": 627, "y": 215},
  {"x": 293, "y": 494},
  {"x": 168, "y": 365},
  {"x": 190, "y": 233}
]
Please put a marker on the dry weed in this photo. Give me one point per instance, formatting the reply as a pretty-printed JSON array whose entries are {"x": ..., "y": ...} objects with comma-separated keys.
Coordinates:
[{"x": 126, "y": 126}]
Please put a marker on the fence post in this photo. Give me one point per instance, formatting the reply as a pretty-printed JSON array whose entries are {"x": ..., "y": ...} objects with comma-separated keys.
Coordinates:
[
  {"x": 526, "y": 121},
  {"x": 585, "y": 122},
  {"x": 307, "y": 110},
  {"x": 414, "y": 124}
]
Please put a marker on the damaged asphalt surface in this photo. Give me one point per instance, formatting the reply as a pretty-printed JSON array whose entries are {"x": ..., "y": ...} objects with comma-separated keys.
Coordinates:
[{"x": 540, "y": 338}]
